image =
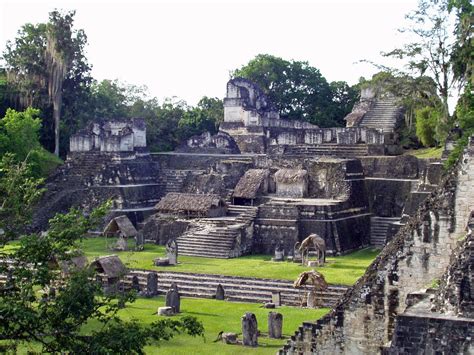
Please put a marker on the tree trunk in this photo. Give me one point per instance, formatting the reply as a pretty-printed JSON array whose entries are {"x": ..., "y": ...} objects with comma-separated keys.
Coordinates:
[{"x": 57, "y": 119}]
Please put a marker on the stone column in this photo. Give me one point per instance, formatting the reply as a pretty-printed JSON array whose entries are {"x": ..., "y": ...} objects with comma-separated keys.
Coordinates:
[
  {"x": 152, "y": 284},
  {"x": 220, "y": 293},
  {"x": 249, "y": 329},
  {"x": 173, "y": 300},
  {"x": 275, "y": 325},
  {"x": 276, "y": 298}
]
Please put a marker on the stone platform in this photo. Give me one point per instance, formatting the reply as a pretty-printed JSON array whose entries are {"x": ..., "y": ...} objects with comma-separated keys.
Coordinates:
[{"x": 238, "y": 289}]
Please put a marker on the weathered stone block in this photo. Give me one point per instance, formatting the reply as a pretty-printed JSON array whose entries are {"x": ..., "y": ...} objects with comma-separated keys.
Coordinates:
[
  {"x": 249, "y": 330},
  {"x": 275, "y": 325},
  {"x": 165, "y": 311}
]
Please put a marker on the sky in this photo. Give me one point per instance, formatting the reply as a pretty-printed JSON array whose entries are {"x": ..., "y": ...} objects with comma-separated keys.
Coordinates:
[{"x": 186, "y": 49}]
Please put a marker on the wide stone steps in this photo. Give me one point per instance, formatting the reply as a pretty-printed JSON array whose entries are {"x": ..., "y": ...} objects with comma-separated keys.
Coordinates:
[
  {"x": 217, "y": 243},
  {"x": 215, "y": 237},
  {"x": 173, "y": 180},
  {"x": 383, "y": 116},
  {"x": 351, "y": 150},
  {"x": 378, "y": 230},
  {"x": 239, "y": 289}
]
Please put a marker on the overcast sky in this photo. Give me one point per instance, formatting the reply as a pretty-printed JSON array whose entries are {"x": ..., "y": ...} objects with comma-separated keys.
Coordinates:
[{"x": 187, "y": 48}]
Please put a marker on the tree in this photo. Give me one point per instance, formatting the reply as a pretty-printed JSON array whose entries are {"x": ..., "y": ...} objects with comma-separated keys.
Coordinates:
[
  {"x": 430, "y": 53},
  {"x": 206, "y": 117},
  {"x": 344, "y": 98},
  {"x": 19, "y": 135},
  {"x": 19, "y": 192},
  {"x": 298, "y": 89},
  {"x": 461, "y": 55},
  {"x": 19, "y": 132},
  {"x": 32, "y": 312},
  {"x": 44, "y": 60},
  {"x": 426, "y": 126}
]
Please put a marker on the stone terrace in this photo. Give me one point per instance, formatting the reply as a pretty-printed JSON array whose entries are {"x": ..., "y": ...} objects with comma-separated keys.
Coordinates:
[{"x": 238, "y": 289}]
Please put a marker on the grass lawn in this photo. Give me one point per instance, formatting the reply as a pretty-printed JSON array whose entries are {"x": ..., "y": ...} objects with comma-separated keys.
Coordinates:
[
  {"x": 216, "y": 316},
  {"x": 426, "y": 153},
  {"x": 343, "y": 270},
  {"x": 219, "y": 316}
]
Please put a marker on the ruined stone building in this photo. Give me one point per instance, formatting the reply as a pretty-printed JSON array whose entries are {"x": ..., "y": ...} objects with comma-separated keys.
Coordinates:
[
  {"x": 263, "y": 181},
  {"x": 417, "y": 296},
  {"x": 276, "y": 181},
  {"x": 110, "y": 136}
]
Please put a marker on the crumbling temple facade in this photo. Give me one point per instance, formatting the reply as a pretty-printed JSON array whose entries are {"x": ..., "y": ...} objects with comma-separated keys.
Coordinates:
[
  {"x": 126, "y": 135},
  {"x": 416, "y": 297},
  {"x": 280, "y": 180},
  {"x": 263, "y": 182},
  {"x": 255, "y": 125}
]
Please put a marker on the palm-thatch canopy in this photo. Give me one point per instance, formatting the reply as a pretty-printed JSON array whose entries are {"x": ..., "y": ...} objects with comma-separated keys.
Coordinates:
[
  {"x": 75, "y": 263},
  {"x": 249, "y": 184},
  {"x": 110, "y": 265},
  {"x": 192, "y": 204},
  {"x": 122, "y": 226},
  {"x": 311, "y": 278},
  {"x": 291, "y": 176}
]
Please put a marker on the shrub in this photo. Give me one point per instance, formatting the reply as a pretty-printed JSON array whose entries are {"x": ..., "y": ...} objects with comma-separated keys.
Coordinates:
[{"x": 426, "y": 126}]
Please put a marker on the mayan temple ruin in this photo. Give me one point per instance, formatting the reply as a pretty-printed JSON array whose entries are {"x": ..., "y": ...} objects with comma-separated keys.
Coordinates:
[
  {"x": 251, "y": 177},
  {"x": 262, "y": 184}
]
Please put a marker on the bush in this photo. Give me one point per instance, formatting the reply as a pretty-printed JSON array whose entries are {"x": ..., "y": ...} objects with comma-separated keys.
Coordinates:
[
  {"x": 465, "y": 117},
  {"x": 42, "y": 162},
  {"x": 426, "y": 124}
]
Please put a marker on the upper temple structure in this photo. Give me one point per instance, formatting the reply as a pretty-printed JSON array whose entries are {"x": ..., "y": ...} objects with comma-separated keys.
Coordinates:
[
  {"x": 255, "y": 126},
  {"x": 110, "y": 136}
]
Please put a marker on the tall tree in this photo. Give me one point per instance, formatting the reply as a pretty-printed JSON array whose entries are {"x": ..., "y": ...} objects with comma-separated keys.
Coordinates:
[
  {"x": 461, "y": 56},
  {"x": 429, "y": 53},
  {"x": 42, "y": 59}
]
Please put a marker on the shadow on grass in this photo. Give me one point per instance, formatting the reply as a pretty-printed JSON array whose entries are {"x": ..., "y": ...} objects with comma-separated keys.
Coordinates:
[{"x": 201, "y": 313}]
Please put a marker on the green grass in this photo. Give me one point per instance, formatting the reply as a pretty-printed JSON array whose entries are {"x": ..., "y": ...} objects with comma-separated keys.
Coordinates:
[
  {"x": 343, "y": 270},
  {"x": 216, "y": 316},
  {"x": 426, "y": 153},
  {"x": 219, "y": 316}
]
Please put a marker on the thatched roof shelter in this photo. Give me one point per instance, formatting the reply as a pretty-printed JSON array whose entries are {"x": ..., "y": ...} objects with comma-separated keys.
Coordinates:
[
  {"x": 291, "y": 176},
  {"x": 249, "y": 184},
  {"x": 109, "y": 265},
  {"x": 122, "y": 226},
  {"x": 75, "y": 263},
  {"x": 192, "y": 204}
]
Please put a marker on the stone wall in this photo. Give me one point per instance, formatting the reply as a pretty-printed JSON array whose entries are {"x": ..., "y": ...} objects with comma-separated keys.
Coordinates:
[
  {"x": 255, "y": 124},
  {"x": 117, "y": 135},
  {"x": 455, "y": 293},
  {"x": 428, "y": 334},
  {"x": 363, "y": 322},
  {"x": 160, "y": 229},
  {"x": 441, "y": 319},
  {"x": 221, "y": 143},
  {"x": 87, "y": 179}
]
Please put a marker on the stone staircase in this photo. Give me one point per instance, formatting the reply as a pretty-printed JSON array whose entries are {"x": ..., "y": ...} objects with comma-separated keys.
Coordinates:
[
  {"x": 384, "y": 115},
  {"x": 173, "y": 180},
  {"x": 378, "y": 230},
  {"x": 328, "y": 149},
  {"x": 217, "y": 237},
  {"x": 237, "y": 289}
]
